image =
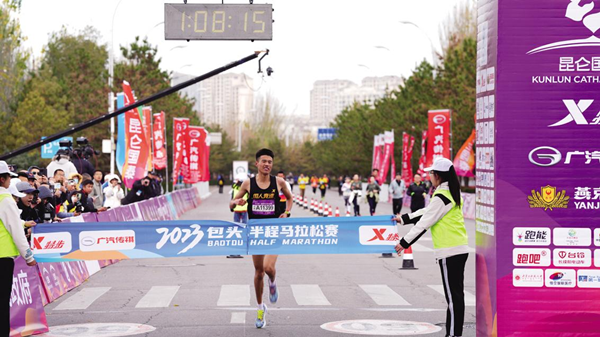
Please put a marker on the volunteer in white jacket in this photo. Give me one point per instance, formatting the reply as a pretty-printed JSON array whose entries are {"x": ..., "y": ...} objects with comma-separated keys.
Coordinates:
[
  {"x": 12, "y": 244},
  {"x": 445, "y": 219}
]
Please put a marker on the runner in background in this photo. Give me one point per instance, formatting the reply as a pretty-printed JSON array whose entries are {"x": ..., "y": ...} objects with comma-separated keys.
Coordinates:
[
  {"x": 356, "y": 188},
  {"x": 323, "y": 185},
  {"x": 290, "y": 181},
  {"x": 282, "y": 198},
  {"x": 262, "y": 202},
  {"x": 302, "y": 182},
  {"x": 346, "y": 192},
  {"x": 240, "y": 213},
  {"x": 314, "y": 183}
]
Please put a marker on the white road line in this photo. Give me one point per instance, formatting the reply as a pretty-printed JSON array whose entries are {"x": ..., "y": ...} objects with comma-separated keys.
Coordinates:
[
  {"x": 469, "y": 298},
  {"x": 238, "y": 318},
  {"x": 309, "y": 294},
  {"x": 383, "y": 295},
  {"x": 232, "y": 295},
  {"x": 82, "y": 299},
  {"x": 158, "y": 297}
]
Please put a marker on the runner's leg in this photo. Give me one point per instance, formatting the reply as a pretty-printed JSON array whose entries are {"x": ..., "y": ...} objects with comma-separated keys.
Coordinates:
[
  {"x": 259, "y": 274},
  {"x": 270, "y": 270}
]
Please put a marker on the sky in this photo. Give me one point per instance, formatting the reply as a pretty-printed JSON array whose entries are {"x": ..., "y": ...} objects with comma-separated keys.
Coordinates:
[{"x": 312, "y": 39}]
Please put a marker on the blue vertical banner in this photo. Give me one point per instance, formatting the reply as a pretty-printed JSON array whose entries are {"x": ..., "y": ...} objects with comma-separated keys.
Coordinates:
[{"x": 120, "y": 158}]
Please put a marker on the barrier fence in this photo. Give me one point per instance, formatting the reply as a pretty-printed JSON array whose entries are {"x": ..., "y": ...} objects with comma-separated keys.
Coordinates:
[{"x": 35, "y": 287}]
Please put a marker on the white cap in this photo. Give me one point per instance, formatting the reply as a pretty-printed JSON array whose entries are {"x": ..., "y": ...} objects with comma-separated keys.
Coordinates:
[
  {"x": 13, "y": 188},
  {"x": 4, "y": 169},
  {"x": 440, "y": 165}
]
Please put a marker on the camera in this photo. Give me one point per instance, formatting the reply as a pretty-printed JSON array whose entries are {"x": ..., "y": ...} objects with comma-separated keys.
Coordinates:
[
  {"x": 270, "y": 71},
  {"x": 84, "y": 151}
]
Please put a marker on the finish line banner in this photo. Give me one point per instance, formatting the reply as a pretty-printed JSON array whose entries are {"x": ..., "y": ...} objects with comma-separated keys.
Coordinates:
[{"x": 154, "y": 239}]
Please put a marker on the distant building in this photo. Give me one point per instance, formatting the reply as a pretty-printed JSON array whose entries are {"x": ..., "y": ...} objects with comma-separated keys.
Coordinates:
[{"x": 329, "y": 97}]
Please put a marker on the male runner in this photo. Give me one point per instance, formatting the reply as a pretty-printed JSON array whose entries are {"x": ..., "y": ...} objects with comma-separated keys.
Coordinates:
[{"x": 263, "y": 200}]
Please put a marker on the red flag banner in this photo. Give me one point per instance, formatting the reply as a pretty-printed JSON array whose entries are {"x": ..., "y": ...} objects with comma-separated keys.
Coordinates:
[
  {"x": 421, "y": 169},
  {"x": 406, "y": 154},
  {"x": 137, "y": 150},
  {"x": 147, "y": 126},
  {"x": 438, "y": 144},
  {"x": 410, "y": 152},
  {"x": 376, "y": 164},
  {"x": 388, "y": 151},
  {"x": 464, "y": 162},
  {"x": 180, "y": 126},
  {"x": 196, "y": 141},
  {"x": 206, "y": 155},
  {"x": 160, "y": 151}
]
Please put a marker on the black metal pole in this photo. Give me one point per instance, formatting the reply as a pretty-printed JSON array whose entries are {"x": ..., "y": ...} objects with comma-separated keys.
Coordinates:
[{"x": 144, "y": 101}]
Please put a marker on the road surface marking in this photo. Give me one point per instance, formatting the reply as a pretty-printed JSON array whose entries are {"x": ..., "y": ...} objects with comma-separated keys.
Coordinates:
[
  {"x": 383, "y": 295},
  {"x": 158, "y": 297},
  {"x": 234, "y": 295},
  {"x": 309, "y": 294},
  {"x": 469, "y": 298},
  {"x": 238, "y": 318},
  {"x": 82, "y": 299}
]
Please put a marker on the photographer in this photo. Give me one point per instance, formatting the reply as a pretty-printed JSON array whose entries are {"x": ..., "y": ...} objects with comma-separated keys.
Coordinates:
[
  {"x": 80, "y": 156},
  {"x": 46, "y": 208},
  {"x": 61, "y": 161},
  {"x": 58, "y": 185},
  {"x": 27, "y": 203},
  {"x": 141, "y": 190},
  {"x": 155, "y": 183}
]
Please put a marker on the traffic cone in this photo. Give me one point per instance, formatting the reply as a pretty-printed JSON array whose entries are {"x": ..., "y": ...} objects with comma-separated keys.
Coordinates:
[
  {"x": 330, "y": 211},
  {"x": 326, "y": 210},
  {"x": 407, "y": 259},
  {"x": 305, "y": 203},
  {"x": 348, "y": 213},
  {"x": 312, "y": 205},
  {"x": 337, "y": 212},
  {"x": 320, "y": 208}
]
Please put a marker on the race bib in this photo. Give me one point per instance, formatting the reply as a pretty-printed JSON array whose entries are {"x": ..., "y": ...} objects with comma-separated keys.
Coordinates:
[{"x": 263, "y": 207}]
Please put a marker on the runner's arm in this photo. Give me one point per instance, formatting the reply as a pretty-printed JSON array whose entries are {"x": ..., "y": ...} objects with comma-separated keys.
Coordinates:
[{"x": 239, "y": 197}]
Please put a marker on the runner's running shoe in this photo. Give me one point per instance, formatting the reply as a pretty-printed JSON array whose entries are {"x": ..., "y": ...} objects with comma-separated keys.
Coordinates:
[
  {"x": 261, "y": 318},
  {"x": 273, "y": 292}
]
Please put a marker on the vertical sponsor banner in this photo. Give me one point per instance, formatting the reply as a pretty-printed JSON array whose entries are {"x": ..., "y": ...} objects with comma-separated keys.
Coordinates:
[
  {"x": 180, "y": 126},
  {"x": 158, "y": 140},
  {"x": 405, "y": 159},
  {"x": 27, "y": 316},
  {"x": 410, "y": 152},
  {"x": 206, "y": 156},
  {"x": 196, "y": 141},
  {"x": 376, "y": 153},
  {"x": 120, "y": 153},
  {"x": 137, "y": 149},
  {"x": 464, "y": 162},
  {"x": 423, "y": 158},
  {"x": 147, "y": 123},
  {"x": 438, "y": 144},
  {"x": 538, "y": 237},
  {"x": 388, "y": 151}
]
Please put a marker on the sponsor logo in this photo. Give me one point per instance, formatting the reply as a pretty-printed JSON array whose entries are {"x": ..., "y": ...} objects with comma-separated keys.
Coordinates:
[
  {"x": 528, "y": 277},
  {"x": 548, "y": 156},
  {"x": 531, "y": 236},
  {"x": 49, "y": 243},
  {"x": 526, "y": 257},
  {"x": 576, "y": 111},
  {"x": 439, "y": 119},
  {"x": 548, "y": 199},
  {"x": 194, "y": 133},
  {"x": 572, "y": 236},
  {"x": 560, "y": 278},
  {"x": 572, "y": 257},
  {"x": 94, "y": 241},
  {"x": 587, "y": 197},
  {"x": 588, "y": 278},
  {"x": 378, "y": 235},
  {"x": 597, "y": 236},
  {"x": 579, "y": 13}
]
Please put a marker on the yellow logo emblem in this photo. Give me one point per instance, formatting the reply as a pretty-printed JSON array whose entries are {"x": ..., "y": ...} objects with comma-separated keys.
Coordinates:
[{"x": 548, "y": 199}]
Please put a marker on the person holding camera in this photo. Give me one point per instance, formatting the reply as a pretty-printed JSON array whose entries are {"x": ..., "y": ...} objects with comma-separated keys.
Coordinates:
[
  {"x": 28, "y": 203},
  {"x": 46, "y": 207},
  {"x": 113, "y": 193},
  {"x": 61, "y": 161},
  {"x": 12, "y": 244},
  {"x": 141, "y": 190}
]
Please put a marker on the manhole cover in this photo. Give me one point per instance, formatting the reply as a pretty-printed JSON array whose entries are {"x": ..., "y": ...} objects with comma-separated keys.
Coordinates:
[
  {"x": 381, "y": 327},
  {"x": 98, "y": 330}
]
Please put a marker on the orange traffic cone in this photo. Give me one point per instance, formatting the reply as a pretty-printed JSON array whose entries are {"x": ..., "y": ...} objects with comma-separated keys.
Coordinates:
[
  {"x": 348, "y": 213},
  {"x": 313, "y": 206},
  {"x": 326, "y": 210},
  {"x": 407, "y": 259},
  {"x": 320, "y": 211},
  {"x": 337, "y": 212},
  {"x": 330, "y": 211}
]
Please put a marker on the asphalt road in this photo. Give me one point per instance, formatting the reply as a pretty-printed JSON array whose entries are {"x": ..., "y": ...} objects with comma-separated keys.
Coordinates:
[{"x": 214, "y": 296}]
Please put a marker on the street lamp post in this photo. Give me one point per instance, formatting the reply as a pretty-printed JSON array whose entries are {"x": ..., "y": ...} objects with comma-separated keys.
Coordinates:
[
  {"x": 433, "y": 62},
  {"x": 111, "y": 97}
]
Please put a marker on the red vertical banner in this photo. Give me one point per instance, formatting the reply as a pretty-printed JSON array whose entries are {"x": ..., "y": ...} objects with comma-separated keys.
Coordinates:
[
  {"x": 410, "y": 152},
  {"x": 376, "y": 163},
  {"x": 464, "y": 162},
  {"x": 388, "y": 151},
  {"x": 405, "y": 158},
  {"x": 158, "y": 140},
  {"x": 423, "y": 159},
  {"x": 206, "y": 157},
  {"x": 147, "y": 126},
  {"x": 196, "y": 141},
  {"x": 180, "y": 126},
  {"x": 137, "y": 150},
  {"x": 438, "y": 145}
]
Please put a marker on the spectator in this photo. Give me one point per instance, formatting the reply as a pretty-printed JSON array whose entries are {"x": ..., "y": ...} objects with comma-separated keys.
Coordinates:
[
  {"x": 81, "y": 163},
  {"x": 141, "y": 190},
  {"x": 221, "y": 182},
  {"x": 373, "y": 190},
  {"x": 113, "y": 193},
  {"x": 417, "y": 191},
  {"x": 397, "y": 190},
  {"x": 290, "y": 180},
  {"x": 340, "y": 184},
  {"x": 27, "y": 203},
  {"x": 61, "y": 161},
  {"x": 72, "y": 186},
  {"x": 46, "y": 208},
  {"x": 23, "y": 176},
  {"x": 78, "y": 179},
  {"x": 35, "y": 172},
  {"x": 97, "y": 194},
  {"x": 88, "y": 204},
  {"x": 59, "y": 186},
  {"x": 12, "y": 244},
  {"x": 155, "y": 183}
]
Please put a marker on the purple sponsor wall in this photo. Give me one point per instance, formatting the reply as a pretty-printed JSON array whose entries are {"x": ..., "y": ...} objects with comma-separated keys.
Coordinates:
[
  {"x": 537, "y": 223},
  {"x": 27, "y": 314}
]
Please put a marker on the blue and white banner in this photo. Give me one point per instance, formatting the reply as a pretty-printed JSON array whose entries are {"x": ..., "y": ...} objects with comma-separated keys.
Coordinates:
[{"x": 154, "y": 239}]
